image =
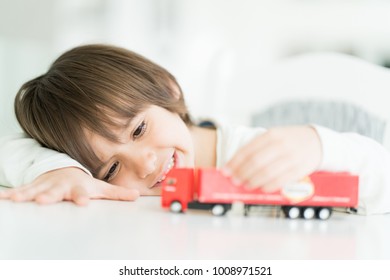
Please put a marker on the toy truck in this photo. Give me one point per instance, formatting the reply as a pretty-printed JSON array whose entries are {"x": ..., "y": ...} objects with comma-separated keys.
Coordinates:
[{"x": 312, "y": 197}]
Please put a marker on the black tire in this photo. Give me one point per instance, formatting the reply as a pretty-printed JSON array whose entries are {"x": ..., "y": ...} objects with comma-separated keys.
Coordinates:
[
  {"x": 292, "y": 212},
  {"x": 176, "y": 207},
  {"x": 218, "y": 210},
  {"x": 324, "y": 213},
  {"x": 309, "y": 213}
]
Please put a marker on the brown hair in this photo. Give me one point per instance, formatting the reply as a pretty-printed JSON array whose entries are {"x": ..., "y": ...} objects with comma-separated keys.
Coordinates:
[{"x": 86, "y": 88}]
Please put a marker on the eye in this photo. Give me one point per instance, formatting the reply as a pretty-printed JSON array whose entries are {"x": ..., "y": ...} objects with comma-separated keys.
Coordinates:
[
  {"x": 140, "y": 130},
  {"x": 111, "y": 172}
]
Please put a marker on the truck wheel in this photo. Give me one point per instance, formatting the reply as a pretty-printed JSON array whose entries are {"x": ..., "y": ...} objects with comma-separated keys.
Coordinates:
[
  {"x": 308, "y": 213},
  {"x": 292, "y": 212},
  {"x": 324, "y": 213},
  {"x": 176, "y": 207},
  {"x": 218, "y": 210}
]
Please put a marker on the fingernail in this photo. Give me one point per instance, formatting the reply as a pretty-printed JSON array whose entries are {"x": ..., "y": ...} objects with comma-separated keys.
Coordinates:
[
  {"x": 236, "y": 181},
  {"x": 226, "y": 171}
]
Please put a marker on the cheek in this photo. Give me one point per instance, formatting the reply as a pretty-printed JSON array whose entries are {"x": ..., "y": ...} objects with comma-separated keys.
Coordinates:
[
  {"x": 183, "y": 136},
  {"x": 176, "y": 135}
]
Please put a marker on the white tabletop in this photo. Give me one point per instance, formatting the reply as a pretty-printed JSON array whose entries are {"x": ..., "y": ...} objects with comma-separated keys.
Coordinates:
[{"x": 143, "y": 230}]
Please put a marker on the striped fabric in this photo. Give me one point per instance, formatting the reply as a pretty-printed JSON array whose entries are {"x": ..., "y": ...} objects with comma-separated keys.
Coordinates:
[{"x": 339, "y": 116}]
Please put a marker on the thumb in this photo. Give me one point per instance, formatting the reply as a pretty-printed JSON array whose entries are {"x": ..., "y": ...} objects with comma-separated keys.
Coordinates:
[{"x": 105, "y": 190}]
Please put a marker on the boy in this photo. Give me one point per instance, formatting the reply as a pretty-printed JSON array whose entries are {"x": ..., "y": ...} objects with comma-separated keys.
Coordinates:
[{"x": 110, "y": 124}]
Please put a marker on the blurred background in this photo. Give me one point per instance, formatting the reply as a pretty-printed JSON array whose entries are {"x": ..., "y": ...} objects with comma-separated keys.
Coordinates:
[{"x": 219, "y": 50}]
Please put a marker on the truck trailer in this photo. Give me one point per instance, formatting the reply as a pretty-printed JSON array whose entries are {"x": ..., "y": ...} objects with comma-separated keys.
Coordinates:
[{"x": 313, "y": 196}]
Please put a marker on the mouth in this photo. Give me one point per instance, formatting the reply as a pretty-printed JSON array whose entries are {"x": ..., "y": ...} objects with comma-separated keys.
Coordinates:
[{"x": 168, "y": 167}]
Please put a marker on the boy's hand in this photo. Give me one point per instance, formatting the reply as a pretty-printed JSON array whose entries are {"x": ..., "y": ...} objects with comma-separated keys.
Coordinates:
[
  {"x": 279, "y": 156},
  {"x": 71, "y": 184}
]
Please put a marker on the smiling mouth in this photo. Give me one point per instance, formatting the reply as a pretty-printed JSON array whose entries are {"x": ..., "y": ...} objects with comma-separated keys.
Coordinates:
[{"x": 170, "y": 165}]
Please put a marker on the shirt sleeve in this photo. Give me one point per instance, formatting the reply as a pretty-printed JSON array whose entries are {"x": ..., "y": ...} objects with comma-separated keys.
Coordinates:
[
  {"x": 361, "y": 156},
  {"x": 22, "y": 159}
]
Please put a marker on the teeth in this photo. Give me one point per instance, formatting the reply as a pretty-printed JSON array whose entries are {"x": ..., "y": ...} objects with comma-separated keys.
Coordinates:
[
  {"x": 169, "y": 167},
  {"x": 171, "y": 164}
]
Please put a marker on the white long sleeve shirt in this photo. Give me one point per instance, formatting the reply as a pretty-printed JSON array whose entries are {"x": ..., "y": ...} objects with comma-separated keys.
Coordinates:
[{"x": 22, "y": 159}]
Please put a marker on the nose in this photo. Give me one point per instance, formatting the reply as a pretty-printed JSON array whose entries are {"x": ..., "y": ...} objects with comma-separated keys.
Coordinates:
[{"x": 145, "y": 164}]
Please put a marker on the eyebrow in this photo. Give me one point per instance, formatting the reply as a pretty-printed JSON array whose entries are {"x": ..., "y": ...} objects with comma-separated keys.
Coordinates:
[{"x": 99, "y": 169}]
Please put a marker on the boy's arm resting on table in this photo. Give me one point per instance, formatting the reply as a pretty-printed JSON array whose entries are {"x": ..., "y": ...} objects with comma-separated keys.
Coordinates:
[
  {"x": 364, "y": 157},
  {"x": 22, "y": 159},
  {"x": 46, "y": 176}
]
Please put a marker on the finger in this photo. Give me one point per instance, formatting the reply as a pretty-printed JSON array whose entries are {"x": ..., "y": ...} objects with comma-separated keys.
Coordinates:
[
  {"x": 256, "y": 162},
  {"x": 8, "y": 193},
  {"x": 50, "y": 196},
  {"x": 270, "y": 174},
  {"x": 27, "y": 192},
  {"x": 112, "y": 192},
  {"x": 77, "y": 194},
  {"x": 55, "y": 193},
  {"x": 288, "y": 177},
  {"x": 258, "y": 144},
  {"x": 80, "y": 196},
  {"x": 5, "y": 194}
]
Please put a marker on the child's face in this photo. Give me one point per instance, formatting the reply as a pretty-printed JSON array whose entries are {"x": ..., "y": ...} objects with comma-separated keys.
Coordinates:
[{"x": 154, "y": 142}]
